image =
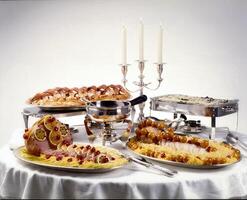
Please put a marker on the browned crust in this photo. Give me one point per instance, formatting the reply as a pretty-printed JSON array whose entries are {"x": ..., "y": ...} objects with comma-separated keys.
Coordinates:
[{"x": 63, "y": 96}]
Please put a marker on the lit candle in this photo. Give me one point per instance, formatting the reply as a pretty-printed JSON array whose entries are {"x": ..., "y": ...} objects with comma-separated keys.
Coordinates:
[
  {"x": 160, "y": 45},
  {"x": 124, "y": 46},
  {"x": 141, "y": 43}
]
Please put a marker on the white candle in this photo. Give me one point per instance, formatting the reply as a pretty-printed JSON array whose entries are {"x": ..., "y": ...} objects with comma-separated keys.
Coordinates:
[
  {"x": 141, "y": 42},
  {"x": 124, "y": 46},
  {"x": 160, "y": 44}
]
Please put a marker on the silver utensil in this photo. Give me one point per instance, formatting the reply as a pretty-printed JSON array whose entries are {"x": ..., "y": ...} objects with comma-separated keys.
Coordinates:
[
  {"x": 144, "y": 162},
  {"x": 157, "y": 166},
  {"x": 234, "y": 141},
  {"x": 236, "y": 138}
]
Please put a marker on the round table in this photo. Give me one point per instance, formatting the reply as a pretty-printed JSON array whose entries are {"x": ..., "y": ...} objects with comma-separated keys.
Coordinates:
[{"x": 21, "y": 180}]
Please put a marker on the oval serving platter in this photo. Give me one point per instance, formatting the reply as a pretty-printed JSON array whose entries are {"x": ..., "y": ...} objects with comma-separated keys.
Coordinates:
[
  {"x": 17, "y": 153},
  {"x": 179, "y": 164}
]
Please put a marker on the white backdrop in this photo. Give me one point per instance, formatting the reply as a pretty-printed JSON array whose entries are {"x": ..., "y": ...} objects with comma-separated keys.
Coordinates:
[{"x": 44, "y": 44}]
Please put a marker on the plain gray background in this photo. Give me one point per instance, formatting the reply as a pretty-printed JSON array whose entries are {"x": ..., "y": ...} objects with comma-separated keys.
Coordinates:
[{"x": 44, "y": 44}]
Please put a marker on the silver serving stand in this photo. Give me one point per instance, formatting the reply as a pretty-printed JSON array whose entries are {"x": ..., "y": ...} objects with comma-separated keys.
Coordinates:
[
  {"x": 214, "y": 111},
  {"x": 38, "y": 113}
]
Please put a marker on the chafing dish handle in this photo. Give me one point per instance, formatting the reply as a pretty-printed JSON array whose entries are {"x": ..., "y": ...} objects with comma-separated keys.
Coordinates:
[{"x": 138, "y": 100}]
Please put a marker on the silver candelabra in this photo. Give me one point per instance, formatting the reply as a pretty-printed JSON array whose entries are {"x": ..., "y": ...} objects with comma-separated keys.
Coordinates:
[{"x": 141, "y": 84}]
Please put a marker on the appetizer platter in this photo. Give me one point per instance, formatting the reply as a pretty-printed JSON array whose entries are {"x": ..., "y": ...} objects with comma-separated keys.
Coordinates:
[
  {"x": 63, "y": 98},
  {"x": 156, "y": 141},
  {"x": 102, "y": 160},
  {"x": 49, "y": 143}
]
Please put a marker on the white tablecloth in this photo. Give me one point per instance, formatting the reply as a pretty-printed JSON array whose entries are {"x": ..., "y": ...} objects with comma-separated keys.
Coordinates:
[{"x": 20, "y": 180}]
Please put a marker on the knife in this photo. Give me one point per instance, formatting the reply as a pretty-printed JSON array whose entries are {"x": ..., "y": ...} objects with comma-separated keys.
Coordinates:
[{"x": 157, "y": 166}]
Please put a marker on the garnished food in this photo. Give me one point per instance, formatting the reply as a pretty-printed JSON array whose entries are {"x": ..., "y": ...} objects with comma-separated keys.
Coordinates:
[
  {"x": 155, "y": 139},
  {"x": 72, "y": 96},
  {"x": 49, "y": 141},
  {"x": 186, "y": 99},
  {"x": 78, "y": 156},
  {"x": 46, "y": 135}
]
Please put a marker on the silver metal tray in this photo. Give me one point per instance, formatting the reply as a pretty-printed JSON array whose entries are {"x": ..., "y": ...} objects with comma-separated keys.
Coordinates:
[
  {"x": 53, "y": 108},
  {"x": 64, "y": 168},
  {"x": 178, "y": 164},
  {"x": 217, "y": 110},
  {"x": 61, "y": 108},
  {"x": 37, "y": 112}
]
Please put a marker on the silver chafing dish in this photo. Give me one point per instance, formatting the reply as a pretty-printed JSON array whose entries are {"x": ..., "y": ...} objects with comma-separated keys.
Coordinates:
[
  {"x": 192, "y": 105},
  {"x": 108, "y": 113}
]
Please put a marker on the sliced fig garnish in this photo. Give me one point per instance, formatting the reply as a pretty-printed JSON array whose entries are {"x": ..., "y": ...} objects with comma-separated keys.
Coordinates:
[
  {"x": 64, "y": 130},
  {"x": 40, "y": 134}
]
